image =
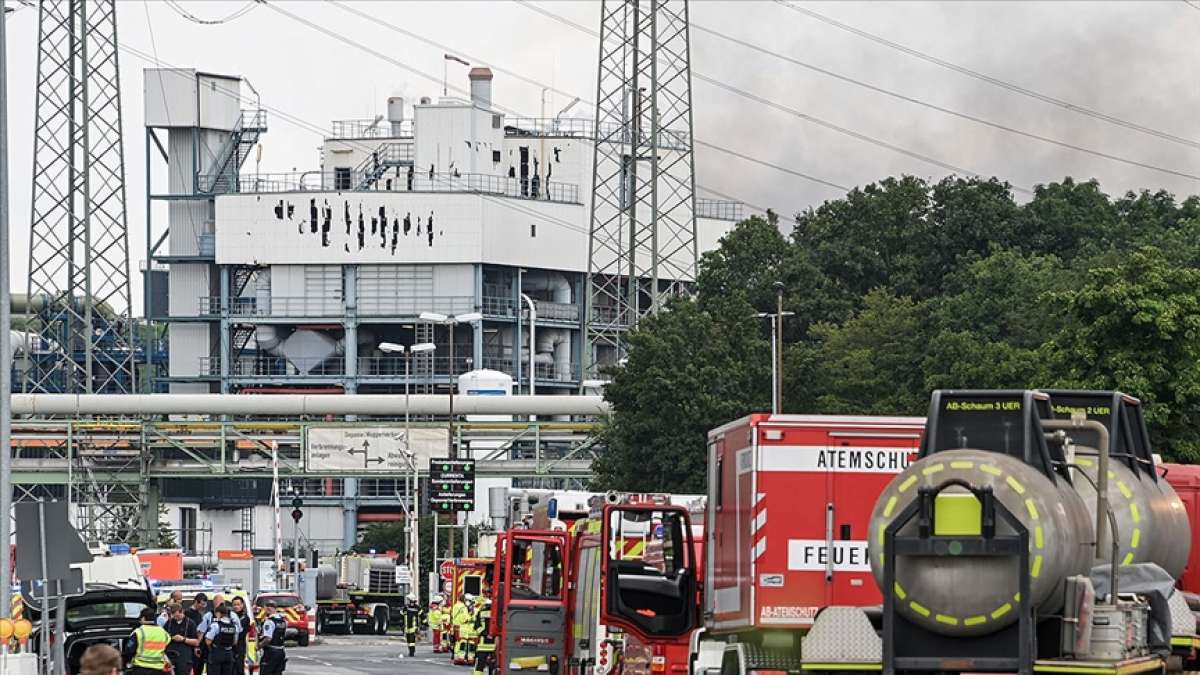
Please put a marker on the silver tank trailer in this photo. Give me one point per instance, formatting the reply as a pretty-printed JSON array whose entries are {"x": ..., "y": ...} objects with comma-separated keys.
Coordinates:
[{"x": 976, "y": 596}]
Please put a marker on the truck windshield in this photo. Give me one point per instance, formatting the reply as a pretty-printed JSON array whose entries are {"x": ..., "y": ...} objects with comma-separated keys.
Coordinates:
[{"x": 535, "y": 570}]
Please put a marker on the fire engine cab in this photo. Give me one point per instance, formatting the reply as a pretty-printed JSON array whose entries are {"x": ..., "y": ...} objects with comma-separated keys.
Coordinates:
[{"x": 614, "y": 592}]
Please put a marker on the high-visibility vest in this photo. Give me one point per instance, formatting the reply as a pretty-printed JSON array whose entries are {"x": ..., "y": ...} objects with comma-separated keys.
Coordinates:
[
  {"x": 460, "y": 614},
  {"x": 435, "y": 618},
  {"x": 152, "y": 644}
]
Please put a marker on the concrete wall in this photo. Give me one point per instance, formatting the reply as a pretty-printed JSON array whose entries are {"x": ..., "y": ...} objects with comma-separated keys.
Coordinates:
[{"x": 321, "y": 524}]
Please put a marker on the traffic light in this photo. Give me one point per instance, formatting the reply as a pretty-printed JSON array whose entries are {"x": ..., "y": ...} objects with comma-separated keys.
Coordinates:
[
  {"x": 297, "y": 514},
  {"x": 297, "y": 502}
]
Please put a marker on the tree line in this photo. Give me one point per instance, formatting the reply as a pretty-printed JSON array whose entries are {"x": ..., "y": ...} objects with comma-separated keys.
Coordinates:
[{"x": 904, "y": 286}]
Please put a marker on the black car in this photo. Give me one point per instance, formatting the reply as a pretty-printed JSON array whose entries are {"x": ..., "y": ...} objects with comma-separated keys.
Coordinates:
[{"x": 105, "y": 614}]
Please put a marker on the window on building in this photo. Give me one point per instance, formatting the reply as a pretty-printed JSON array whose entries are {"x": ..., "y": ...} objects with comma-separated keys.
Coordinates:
[
  {"x": 496, "y": 156},
  {"x": 341, "y": 178},
  {"x": 533, "y": 230},
  {"x": 187, "y": 529}
]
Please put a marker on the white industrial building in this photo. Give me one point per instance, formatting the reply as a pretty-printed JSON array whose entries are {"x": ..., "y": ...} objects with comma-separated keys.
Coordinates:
[{"x": 290, "y": 282}]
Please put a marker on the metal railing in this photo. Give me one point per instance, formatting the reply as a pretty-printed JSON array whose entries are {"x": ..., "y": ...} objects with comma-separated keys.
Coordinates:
[
  {"x": 392, "y": 367},
  {"x": 719, "y": 209},
  {"x": 498, "y": 306},
  {"x": 571, "y": 127},
  {"x": 412, "y": 305},
  {"x": 557, "y": 311},
  {"x": 543, "y": 372},
  {"x": 274, "y": 366},
  {"x": 396, "y": 180},
  {"x": 300, "y": 306},
  {"x": 370, "y": 128}
]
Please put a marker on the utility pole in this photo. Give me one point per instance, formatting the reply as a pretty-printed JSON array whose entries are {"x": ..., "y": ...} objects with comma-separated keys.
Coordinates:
[
  {"x": 6, "y": 352},
  {"x": 776, "y": 347}
]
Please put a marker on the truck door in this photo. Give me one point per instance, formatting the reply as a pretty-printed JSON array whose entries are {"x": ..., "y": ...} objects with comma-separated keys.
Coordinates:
[
  {"x": 535, "y": 603},
  {"x": 651, "y": 598},
  {"x": 863, "y": 465}
]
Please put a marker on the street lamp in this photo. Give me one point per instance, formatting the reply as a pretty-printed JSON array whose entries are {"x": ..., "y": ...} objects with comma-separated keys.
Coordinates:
[
  {"x": 451, "y": 321},
  {"x": 414, "y": 538},
  {"x": 776, "y": 347}
]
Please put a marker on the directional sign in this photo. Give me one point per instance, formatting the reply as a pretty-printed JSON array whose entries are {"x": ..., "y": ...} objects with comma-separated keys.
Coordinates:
[
  {"x": 451, "y": 485},
  {"x": 364, "y": 450}
]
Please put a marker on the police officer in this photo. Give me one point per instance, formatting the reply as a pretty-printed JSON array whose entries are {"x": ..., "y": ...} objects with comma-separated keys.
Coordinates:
[
  {"x": 146, "y": 648},
  {"x": 221, "y": 637},
  {"x": 184, "y": 639},
  {"x": 486, "y": 651},
  {"x": 270, "y": 641},
  {"x": 412, "y": 622}
]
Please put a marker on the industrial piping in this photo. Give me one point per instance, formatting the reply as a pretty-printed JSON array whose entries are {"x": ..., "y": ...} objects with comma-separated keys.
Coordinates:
[{"x": 302, "y": 404}]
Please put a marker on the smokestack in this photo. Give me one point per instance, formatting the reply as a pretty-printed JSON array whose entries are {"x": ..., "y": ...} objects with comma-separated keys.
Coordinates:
[
  {"x": 395, "y": 114},
  {"x": 481, "y": 87}
]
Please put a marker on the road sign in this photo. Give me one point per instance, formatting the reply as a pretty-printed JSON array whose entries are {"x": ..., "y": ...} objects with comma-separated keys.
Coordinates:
[
  {"x": 72, "y": 586},
  {"x": 451, "y": 485},
  {"x": 447, "y": 569},
  {"x": 363, "y": 450},
  {"x": 61, "y": 546}
]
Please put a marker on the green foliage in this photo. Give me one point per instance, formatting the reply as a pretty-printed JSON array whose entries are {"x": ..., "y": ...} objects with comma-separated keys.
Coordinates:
[
  {"x": 903, "y": 286},
  {"x": 685, "y": 369}
]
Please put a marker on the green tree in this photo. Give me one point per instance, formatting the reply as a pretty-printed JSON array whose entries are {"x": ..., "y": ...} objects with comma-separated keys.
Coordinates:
[
  {"x": 1136, "y": 327},
  {"x": 687, "y": 371}
]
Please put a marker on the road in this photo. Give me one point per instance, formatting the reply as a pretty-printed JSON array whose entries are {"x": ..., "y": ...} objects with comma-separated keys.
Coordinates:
[{"x": 367, "y": 655}]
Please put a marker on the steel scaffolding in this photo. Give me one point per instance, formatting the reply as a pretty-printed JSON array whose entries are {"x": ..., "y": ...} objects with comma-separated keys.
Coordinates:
[{"x": 642, "y": 244}]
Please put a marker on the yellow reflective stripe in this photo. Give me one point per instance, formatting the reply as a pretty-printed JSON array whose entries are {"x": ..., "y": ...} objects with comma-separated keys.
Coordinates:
[
  {"x": 899, "y": 590},
  {"x": 1125, "y": 492},
  {"x": 1128, "y": 559},
  {"x": 1001, "y": 610},
  {"x": 1032, "y": 508},
  {"x": 841, "y": 666},
  {"x": 889, "y": 507},
  {"x": 1084, "y": 461},
  {"x": 936, "y": 468},
  {"x": 1038, "y": 538},
  {"x": 991, "y": 469},
  {"x": 974, "y": 620},
  {"x": 919, "y": 608},
  {"x": 948, "y": 620},
  {"x": 1035, "y": 569},
  {"x": 1136, "y": 538},
  {"x": 907, "y": 483},
  {"x": 1133, "y": 512},
  {"x": 1015, "y": 485},
  {"x": 962, "y": 465}
]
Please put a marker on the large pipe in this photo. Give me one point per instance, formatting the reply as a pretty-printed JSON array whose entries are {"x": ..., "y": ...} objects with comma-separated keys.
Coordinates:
[
  {"x": 301, "y": 404},
  {"x": 1080, "y": 421}
]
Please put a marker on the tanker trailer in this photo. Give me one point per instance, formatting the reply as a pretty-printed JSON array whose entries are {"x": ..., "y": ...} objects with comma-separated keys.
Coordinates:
[{"x": 984, "y": 545}]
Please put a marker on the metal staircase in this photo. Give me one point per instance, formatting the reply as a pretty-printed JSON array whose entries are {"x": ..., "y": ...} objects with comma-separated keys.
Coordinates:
[
  {"x": 386, "y": 156},
  {"x": 222, "y": 176}
]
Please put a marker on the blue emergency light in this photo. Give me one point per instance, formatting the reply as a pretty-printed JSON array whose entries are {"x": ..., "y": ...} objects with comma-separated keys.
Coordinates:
[
  {"x": 552, "y": 508},
  {"x": 117, "y": 549}
]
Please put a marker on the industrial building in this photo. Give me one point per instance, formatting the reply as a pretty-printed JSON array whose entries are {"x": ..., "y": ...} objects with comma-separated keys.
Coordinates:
[{"x": 290, "y": 283}]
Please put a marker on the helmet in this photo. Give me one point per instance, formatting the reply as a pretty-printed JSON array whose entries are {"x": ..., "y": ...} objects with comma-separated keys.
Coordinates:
[
  {"x": 487, "y": 602},
  {"x": 468, "y": 598},
  {"x": 412, "y": 597},
  {"x": 439, "y": 599}
]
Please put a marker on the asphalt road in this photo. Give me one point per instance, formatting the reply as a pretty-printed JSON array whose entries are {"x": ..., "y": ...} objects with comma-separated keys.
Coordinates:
[{"x": 368, "y": 655}]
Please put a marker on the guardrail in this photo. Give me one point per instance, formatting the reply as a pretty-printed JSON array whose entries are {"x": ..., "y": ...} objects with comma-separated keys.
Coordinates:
[
  {"x": 398, "y": 180},
  {"x": 543, "y": 372},
  {"x": 275, "y": 366},
  {"x": 719, "y": 209},
  {"x": 370, "y": 128}
]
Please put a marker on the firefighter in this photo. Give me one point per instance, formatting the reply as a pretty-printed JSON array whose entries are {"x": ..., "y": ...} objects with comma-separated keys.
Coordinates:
[
  {"x": 485, "y": 653},
  {"x": 447, "y": 627},
  {"x": 434, "y": 619},
  {"x": 146, "y": 649},
  {"x": 412, "y": 623},
  {"x": 221, "y": 638},
  {"x": 459, "y": 616},
  {"x": 274, "y": 657}
]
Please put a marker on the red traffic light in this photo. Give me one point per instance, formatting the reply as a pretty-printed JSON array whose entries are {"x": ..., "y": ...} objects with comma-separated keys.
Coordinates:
[{"x": 297, "y": 514}]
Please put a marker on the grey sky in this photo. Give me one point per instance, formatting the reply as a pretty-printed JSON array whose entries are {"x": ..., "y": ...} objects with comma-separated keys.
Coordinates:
[{"x": 1139, "y": 61}]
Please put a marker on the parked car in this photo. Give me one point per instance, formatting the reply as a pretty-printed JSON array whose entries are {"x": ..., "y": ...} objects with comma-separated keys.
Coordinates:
[{"x": 293, "y": 610}]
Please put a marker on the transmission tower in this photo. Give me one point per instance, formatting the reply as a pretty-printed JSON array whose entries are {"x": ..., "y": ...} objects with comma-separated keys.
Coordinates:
[
  {"x": 642, "y": 245},
  {"x": 78, "y": 250}
]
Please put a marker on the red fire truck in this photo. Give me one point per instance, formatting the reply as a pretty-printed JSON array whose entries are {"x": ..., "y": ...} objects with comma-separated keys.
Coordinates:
[
  {"x": 619, "y": 588},
  {"x": 789, "y": 503}
]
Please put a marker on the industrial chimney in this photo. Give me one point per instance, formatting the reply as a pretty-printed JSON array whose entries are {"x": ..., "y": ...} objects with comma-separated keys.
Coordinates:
[
  {"x": 395, "y": 114},
  {"x": 481, "y": 87}
]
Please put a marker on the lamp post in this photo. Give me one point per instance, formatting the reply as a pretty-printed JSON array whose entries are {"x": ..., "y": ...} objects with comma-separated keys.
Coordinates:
[
  {"x": 451, "y": 321},
  {"x": 413, "y": 512},
  {"x": 776, "y": 347}
]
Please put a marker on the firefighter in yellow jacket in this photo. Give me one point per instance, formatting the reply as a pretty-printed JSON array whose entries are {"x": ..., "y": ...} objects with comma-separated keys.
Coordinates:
[
  {"x": 434, "y": 619},
  {"x": 460, "y": 619},
  {"x": 485, "y": 652},
  {"x": 146, "y": 649}
]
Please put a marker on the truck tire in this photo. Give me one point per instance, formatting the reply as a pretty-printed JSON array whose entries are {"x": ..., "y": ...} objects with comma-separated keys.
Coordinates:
[
  {"x": 321, "y": 624},
  {"x": 302, "y": 639},
  {"x": 381, "y": 620}
]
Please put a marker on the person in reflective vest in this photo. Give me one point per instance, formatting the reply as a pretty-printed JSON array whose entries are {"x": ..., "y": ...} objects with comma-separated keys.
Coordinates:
[
  {"x": 460, "y": 614},
  {"x": 434, "y": 618},
  {"x": 146, "y": 648},
  {"x": 412, "y": 623},
  {"x": 221, "y": 638},
  {"x": 485, "y": 652},
  {"x": 475, "y": 607},
  {"x": 274, "y": 658}
]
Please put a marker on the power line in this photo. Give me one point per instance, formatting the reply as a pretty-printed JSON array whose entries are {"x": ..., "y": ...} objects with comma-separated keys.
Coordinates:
[
  {"x": 178, "y": 9},
  {"x": 788, "y": 109},
  {"x": 933, "y": 106},
  {"x": 1193, "y": 4},
  {"x": 988, "y": 78}
]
